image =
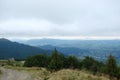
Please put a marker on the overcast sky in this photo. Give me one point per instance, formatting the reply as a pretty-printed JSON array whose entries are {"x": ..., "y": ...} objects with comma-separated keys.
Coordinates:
[{"x": 59, "y": 18}]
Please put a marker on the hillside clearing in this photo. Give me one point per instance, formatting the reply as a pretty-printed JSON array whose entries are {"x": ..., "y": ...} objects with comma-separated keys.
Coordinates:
[{"x": 43, "y": 74}]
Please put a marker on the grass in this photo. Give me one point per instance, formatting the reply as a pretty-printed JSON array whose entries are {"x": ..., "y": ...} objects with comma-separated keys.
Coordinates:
[
  {"x": 12, "y": 63},
  {"x": 0, "y": 72},
  {"x": 65, "y": 74}
]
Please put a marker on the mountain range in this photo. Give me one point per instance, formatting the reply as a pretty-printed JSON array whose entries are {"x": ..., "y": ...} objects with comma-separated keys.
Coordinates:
[
  {"x": 99, "y": 49},
  {"x": 9, "y": 49}
]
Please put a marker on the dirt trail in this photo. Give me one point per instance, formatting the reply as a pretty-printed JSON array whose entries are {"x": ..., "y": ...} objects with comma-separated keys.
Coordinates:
[{"x": 9, "y": 74}]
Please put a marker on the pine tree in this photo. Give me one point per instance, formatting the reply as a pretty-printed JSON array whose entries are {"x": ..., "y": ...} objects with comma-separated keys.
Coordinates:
[
  {"x": 111, "y": 67},
  {"x": 56, "y": 62},
  {"x": 72, "y": 62},
  {"x": 88, "y": 62}
]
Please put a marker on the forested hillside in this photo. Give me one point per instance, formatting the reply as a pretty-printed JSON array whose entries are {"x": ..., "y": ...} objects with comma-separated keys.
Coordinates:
[
  {"x": 58, "y": 61},
  {"x": 10, "y": 49}
]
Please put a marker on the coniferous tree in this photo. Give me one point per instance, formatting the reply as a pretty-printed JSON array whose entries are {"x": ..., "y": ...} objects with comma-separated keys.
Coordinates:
[
  {"x": 94, "y": 68},
  {"x": 111, "y": 67},
  {"x": 72, "y": 62},
  {"x": 118, "y": 73},
  {"x": 87, "y": 62},
  {"x": 56, "y": 62}
]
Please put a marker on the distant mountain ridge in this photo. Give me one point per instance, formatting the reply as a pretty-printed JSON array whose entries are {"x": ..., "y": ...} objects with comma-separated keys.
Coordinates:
[
  {"x": 66, "y": 50},
  {"x": 88, "y": 44},
  {"x": 99, "y": 54},
  {"x": 9, "y": 49},
  {"x": 98, "y": 49}
]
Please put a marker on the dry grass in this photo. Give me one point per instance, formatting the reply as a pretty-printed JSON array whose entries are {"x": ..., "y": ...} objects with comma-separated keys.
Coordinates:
[
  {"x": 65, "y": 74},
  {"x": 0, "y": 72}
]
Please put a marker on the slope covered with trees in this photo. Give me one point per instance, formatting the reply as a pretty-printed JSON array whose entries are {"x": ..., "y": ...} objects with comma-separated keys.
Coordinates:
[
  {"x": 58, "y": 61},
  {"x": 10, "y": 49}
]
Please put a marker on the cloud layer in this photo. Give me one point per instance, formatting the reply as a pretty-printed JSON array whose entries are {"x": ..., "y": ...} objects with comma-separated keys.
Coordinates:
[{"x": 39, "y": 18}]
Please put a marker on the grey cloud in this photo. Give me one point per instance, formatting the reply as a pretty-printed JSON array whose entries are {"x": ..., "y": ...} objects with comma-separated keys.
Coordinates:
[
  {"x": 58, "y": 11},
  {"x": 59, "y": 17}
]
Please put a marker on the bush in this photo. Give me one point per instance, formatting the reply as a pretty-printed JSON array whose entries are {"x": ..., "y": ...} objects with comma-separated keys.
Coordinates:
[{"x": 37, "y": 61}]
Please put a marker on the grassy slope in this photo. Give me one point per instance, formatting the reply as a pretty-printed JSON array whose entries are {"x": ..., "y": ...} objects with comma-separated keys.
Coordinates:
[
  {"x": 0, "y": 72},
  {"x": 65, "y": 74}
]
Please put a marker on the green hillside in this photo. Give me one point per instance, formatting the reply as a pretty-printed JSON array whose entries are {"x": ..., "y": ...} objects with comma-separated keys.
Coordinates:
[{"x": 9, "y": 49}]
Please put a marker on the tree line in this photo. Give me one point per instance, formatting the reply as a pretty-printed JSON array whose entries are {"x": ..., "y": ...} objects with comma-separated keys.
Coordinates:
[{"x": 59, "y": 61}]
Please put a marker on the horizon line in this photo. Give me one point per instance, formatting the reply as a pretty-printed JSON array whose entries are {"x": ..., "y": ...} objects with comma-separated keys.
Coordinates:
[{"x": 67, "y": 38}]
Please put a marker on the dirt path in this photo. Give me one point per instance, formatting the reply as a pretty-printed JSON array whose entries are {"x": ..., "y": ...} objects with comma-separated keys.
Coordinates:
[{"x": 9, "y": 74}]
